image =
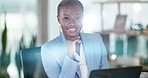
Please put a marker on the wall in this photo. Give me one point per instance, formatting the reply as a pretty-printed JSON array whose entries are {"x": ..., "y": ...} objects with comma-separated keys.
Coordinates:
[{"x": 53, "y": 25}]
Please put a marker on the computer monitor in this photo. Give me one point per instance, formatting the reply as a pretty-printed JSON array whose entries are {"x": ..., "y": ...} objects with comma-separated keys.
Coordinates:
[{"x": 122, "y": 72}]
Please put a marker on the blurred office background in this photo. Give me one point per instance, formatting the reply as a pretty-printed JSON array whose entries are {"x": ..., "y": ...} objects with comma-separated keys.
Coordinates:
[{"x": 31, "y": 23}]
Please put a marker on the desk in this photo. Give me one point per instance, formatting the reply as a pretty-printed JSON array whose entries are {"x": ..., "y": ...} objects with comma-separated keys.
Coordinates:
[
  {"x": 144, "y": 75},
  {"x": 123, "y": 61},
  {"x": 145, "y": 68}
]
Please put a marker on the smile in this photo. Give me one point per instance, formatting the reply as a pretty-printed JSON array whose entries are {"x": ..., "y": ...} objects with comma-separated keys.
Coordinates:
[{"x": 71, "y": 29}]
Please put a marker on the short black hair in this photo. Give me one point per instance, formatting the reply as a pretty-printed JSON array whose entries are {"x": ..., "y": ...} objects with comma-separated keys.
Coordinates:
[{"x": 69, "y": 2}]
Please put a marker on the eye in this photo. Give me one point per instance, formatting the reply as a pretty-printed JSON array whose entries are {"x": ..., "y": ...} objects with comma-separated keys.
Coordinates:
[
  {"x": 78, "y": 18},
  {"x": 66, "y": 18}
]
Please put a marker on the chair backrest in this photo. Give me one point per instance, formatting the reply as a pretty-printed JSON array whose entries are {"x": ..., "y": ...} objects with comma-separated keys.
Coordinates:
[{"x": 32, "y": 64}]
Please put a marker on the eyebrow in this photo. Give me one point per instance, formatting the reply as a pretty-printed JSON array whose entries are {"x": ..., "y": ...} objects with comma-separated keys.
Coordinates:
[
  {"x": 66, "y": 15},
  {"x": 69, "y": 15}
]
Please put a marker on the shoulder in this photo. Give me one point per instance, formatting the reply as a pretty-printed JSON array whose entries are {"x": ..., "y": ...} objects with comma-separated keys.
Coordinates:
[{"x": 50, "y": 45}]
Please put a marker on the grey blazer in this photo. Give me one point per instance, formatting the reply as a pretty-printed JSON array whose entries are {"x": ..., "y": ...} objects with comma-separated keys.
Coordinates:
[{"x": 58, "y": 65}]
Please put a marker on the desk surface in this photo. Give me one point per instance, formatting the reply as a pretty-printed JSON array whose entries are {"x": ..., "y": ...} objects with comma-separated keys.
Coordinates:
[{"x": 122, "y": 62}]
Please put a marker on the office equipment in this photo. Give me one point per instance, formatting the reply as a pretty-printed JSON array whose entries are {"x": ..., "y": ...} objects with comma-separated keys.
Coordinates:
[{"x": 123, "y": 72}]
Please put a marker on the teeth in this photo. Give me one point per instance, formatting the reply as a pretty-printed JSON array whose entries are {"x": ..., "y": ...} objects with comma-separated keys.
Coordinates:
[{"x": 72, "y": 29}]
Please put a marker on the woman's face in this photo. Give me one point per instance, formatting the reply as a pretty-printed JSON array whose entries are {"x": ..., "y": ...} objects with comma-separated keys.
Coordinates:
[{"x": 71, "y": 21}]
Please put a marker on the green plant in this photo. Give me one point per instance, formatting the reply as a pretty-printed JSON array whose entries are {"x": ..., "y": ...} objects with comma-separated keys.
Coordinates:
[
  {"x": 17, "y": 55},
  {"x": 146, "y": 26},
  {"x": 4, "y": 39},
  {"x": 5, "y": 57},
  {"x": 33, "y": 41}
]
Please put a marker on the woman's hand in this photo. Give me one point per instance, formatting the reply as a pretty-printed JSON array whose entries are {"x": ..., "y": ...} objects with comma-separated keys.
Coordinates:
[{"x": 71, "y": 46}]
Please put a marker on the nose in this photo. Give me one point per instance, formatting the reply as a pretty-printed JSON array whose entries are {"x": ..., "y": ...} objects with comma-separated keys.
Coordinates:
[{"x": 72, "y": 22}]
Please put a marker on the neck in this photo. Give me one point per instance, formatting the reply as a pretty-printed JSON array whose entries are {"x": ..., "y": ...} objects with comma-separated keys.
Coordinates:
[{"x": 73, "y": 38}]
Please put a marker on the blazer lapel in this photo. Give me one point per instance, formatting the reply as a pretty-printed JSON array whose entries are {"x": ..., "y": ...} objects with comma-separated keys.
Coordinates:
[
  {"x": 79, "y": 72},
  {"x": 62, "y": 41},
  {"x": 88, "y": 50}
]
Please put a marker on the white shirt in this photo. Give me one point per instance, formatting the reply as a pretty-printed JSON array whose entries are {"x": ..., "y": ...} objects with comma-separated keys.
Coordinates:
[{"x": 82, "y": 60}]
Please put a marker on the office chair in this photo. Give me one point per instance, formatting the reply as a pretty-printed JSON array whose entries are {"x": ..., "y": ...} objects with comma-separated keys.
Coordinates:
[{"x": 32, "y": 64}]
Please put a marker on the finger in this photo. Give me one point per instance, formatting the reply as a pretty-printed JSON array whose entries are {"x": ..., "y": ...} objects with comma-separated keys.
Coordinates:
[{"x": 78, "y": 41}]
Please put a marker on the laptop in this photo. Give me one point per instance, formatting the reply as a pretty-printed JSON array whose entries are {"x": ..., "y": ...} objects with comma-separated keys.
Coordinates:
[{"x": 123, "y": 72}]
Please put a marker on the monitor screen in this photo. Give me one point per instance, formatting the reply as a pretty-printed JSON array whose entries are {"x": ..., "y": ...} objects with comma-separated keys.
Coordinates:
[{"x": 123, "y": 72}]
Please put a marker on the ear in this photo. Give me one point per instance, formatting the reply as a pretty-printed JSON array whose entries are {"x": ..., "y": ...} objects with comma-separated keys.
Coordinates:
[{"x": 58, "y": 17}]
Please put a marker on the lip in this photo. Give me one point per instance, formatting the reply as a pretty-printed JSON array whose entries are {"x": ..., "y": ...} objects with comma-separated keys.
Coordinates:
[{"x": 72, "y": 29}]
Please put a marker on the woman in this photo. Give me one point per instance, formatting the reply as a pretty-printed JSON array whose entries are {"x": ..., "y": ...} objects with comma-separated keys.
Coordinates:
[{"x": 61, "y": 57}]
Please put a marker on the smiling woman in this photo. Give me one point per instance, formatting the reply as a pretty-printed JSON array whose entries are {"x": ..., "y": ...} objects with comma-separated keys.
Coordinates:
[
  {"x": 70, "y": 18},
  {"x": 73, "y": 54}
]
